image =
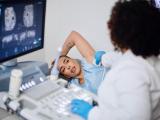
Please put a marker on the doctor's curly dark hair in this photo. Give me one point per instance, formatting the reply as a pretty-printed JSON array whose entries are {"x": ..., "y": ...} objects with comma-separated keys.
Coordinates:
[{"x": 135, "y": 25}]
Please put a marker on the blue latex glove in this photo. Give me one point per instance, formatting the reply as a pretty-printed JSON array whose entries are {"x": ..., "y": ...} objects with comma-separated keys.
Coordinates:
[
  {"x": 81, "y": 108},
  {"x": 98, "y": 56}
]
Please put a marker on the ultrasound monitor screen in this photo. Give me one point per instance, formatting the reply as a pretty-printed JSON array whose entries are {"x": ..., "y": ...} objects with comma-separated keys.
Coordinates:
[
  {"x": 156, "y": 3},
  {"x": 21, "y": 27}
]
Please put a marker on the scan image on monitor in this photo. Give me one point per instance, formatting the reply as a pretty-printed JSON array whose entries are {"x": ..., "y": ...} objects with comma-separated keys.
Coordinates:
[
  {"x": 156, "y": 3},
  {"x": 21, "y": 27},
  {"x": 28, "y": 15},
  {"x": 9, "y": 18}
]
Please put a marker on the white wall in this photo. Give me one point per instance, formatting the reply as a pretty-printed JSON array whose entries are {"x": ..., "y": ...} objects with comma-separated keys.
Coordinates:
[{"x": 88, "y": 17}]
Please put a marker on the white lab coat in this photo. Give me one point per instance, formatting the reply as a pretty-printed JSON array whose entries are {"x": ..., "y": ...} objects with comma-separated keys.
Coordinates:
[{"x": 130, "y": 90}]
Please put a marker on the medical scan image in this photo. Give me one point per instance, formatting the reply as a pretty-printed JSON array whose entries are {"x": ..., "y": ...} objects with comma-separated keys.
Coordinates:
[
  {"x": 21, "y": 28},
  {"x": 28, "y": 15},
  {"x": 157, "y": 3},
  {"x": 10, "y": 18}
]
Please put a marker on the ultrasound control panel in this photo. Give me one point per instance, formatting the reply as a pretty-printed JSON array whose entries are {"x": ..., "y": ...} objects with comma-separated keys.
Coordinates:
[
  {"x": 49, "y": 100},
  {"x": 34, "y": 72}
]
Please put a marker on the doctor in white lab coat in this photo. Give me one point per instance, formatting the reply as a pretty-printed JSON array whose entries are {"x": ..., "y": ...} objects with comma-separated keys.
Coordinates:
[{"x": 131, "y": 89}]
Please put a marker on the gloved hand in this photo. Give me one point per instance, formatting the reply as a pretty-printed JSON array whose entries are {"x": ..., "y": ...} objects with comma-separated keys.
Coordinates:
[
  {"x": 98, "y": 56},
  {"x": 81, "y": 108}
]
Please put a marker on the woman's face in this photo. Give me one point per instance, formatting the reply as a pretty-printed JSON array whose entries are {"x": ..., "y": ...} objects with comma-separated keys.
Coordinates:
[{"x": 69, "y": 67}]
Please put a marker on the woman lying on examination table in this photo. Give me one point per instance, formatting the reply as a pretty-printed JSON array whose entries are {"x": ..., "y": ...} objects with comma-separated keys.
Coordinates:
[{"x": 83, "y": 73}]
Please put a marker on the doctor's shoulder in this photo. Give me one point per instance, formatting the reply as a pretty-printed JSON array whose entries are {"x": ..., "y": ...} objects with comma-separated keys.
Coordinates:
[{"x": 128, "y": 65}]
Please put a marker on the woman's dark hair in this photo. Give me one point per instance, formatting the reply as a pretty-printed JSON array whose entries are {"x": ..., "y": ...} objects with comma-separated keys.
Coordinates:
[{"x": 135, "y": 25}]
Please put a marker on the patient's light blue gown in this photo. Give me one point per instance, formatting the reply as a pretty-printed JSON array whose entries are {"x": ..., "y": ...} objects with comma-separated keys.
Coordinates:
[{"x": 93, "y": 76}]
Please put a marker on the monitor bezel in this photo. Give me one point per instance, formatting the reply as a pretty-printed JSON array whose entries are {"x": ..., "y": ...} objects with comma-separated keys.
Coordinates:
[{"x": 43, "y": 28}]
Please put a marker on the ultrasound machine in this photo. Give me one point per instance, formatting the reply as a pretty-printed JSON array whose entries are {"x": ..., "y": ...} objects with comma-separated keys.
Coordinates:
[{"x": 40, "y": 96}]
